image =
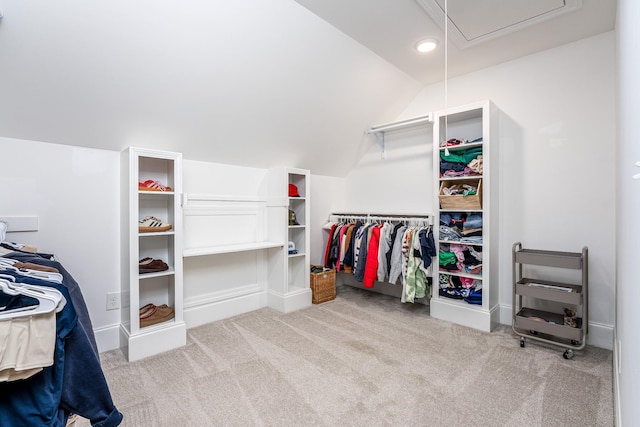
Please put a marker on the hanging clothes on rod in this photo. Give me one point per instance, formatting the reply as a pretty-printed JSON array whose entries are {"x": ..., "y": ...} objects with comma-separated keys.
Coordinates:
[{"x": 383, "y": 248}]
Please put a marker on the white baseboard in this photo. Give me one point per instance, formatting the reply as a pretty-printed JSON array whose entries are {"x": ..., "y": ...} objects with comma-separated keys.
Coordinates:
[
  {"x": 291, "y": 302},
  {"x": 598, "y": 334},
  {"x": 107, "y": 337},
  {"x": 472, "y": 316},
  {"x": 213, "y": 310},
  {"x": 153, "y": 340}
]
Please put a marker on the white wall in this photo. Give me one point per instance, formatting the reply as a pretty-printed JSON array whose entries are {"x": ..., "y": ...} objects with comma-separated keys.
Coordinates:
[
  {"x": 220, "y": 179},
  {"x": 75, "y": 193},
  {"x": 557, "y": 162},
  {"x": 627, "y": 352},
  {"x": 398, "y": 181},
  {"x": 327, "y": 196}
]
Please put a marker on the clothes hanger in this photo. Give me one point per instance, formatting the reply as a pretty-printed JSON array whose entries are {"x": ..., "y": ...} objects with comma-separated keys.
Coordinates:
[
  {"x": 55, "y": 294},
  {"x": 34, "y": 291},
  {"x": 7, "y": 261},
  {"x": 43, "y": 275},
  {"x": 7, "y": 277},
  {"x": 47, "y": 300},
  {"x": 8, "y": 290},
  {"x": 36, "y": 274},
  {"x": 52, "y": 292}
]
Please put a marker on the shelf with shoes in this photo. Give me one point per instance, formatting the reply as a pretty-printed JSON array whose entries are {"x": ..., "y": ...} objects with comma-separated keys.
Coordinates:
[
  {"x": 149, "y": 265},
  {"x": 152, "y": 258},
  {"x": 465, "y": 197}
]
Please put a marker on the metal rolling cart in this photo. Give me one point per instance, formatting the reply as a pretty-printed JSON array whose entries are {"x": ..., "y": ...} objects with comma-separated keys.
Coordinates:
[{"x": 567, "y": 329}]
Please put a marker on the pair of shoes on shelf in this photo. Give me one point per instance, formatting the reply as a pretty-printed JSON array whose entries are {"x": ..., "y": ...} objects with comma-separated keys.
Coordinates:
[
  {"x": 151, "y": 314},
  {"x": 151, "y": 185},
  {"x": 150, "y": 265},
  {"x": 151, "y": 224}
]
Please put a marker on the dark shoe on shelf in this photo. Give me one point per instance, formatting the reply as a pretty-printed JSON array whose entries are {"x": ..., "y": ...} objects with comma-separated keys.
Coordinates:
[
  {"x": 146, "y": 310},
  {"x": 150, "y": 265},
  {"x": 157, "y": 314}
]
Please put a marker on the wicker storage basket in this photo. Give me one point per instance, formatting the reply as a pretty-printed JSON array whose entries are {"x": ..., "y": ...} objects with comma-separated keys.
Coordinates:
[
  {"x": 323, "y": 286},
  {"x": 473, "y": 201}
]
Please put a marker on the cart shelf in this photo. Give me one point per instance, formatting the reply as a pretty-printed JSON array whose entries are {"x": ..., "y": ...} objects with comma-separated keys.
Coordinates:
[{"x": 547, "y": 326}]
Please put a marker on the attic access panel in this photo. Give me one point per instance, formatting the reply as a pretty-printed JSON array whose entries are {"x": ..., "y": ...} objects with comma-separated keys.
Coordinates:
[{"x": 475, "y": 21}]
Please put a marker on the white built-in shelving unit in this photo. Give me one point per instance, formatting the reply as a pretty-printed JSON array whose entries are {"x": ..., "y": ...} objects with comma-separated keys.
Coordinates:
[
  {"x": 233, "y": 256},
  {"x": 289, "y": 288},
  {"x": 469, "y": 122},
  {"x": 164, "y": 287}
]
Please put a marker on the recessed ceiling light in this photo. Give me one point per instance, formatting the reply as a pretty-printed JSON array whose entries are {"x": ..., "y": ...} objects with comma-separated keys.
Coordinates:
[{"x": 426, "y": 45}]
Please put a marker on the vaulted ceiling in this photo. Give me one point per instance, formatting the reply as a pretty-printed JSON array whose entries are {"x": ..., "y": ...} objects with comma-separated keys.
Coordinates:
[
  {"x": 481, "y": 32},
  {"x": 247, "y": 82}
]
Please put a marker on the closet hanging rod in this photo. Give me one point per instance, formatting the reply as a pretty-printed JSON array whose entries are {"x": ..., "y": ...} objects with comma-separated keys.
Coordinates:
[
  {"x": 382, "y": 217},
  {"x": 401, "y": 124}
]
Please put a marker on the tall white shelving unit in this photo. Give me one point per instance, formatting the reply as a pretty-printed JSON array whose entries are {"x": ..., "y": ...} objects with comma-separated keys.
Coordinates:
[
  {"x": 289, "y": 288},
  {"x": 164, "y": 287},
  {"x": 470, "y": 122}
]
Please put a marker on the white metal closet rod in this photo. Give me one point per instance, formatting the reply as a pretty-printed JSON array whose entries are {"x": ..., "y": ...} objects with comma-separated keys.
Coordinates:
[
  {"x": 401, "y": 124},
  {"x": 381, "y": 129},
  {"x": 382, "y": 217}
]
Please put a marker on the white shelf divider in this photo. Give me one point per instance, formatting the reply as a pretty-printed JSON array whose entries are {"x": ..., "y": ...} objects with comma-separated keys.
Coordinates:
[{"x": 225, "y": 249}]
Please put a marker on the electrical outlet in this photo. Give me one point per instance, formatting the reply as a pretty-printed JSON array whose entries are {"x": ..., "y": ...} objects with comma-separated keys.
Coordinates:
[{"x": 113, "y": 300}]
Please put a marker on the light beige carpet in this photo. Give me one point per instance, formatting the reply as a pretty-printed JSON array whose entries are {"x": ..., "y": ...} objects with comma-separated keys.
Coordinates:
[{"x": 362, "y": 360}]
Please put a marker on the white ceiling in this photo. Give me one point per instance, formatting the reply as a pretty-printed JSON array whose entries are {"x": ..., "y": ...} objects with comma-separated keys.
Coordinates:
[
  {"x": 498, "y": 17},
  {"x": 391, "y": 28},
  {"x": 246, "y": 82}
]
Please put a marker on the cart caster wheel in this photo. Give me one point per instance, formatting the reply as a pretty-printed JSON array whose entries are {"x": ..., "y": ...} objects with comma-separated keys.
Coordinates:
[
  {"x": 568, "y": 354},
  {"x": 574, "y": 342},
  {"x": 522, "y": 342},
  {"x": 533, "y": 332}
]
